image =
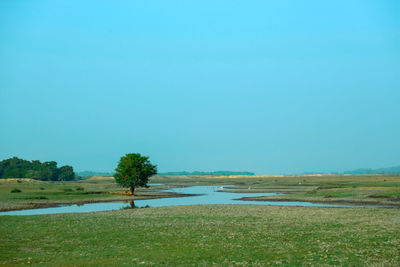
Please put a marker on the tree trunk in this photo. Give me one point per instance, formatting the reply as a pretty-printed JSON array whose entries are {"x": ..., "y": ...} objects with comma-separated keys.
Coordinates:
[{"x": 132, "y": 190}]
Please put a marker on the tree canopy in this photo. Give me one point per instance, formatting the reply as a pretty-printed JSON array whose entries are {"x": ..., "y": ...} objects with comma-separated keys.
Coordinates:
[
  {"x": 46, "y": 171},
  {"x": 134, "y": 170}
]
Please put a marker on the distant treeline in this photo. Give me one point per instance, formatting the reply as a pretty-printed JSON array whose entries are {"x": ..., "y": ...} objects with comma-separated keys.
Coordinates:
[
  {"x": 92, "y": 173},
  {"x": 390, "y": 170},
  {"x": 217, "y": 173},
  {"x": 46, "y": 171},
  {"x": 87, "y": 174}
]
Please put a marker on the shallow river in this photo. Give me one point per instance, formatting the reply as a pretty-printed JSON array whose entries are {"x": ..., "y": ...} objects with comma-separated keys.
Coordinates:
[{"x": 204, "y": 195}]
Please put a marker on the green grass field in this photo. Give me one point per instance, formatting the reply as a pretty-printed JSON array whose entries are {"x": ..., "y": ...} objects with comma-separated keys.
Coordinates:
[{"x": 223, "y": 235}]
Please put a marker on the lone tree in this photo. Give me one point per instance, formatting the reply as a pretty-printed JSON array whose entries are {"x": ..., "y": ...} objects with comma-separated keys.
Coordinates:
[{"x": 134, "y": 170}]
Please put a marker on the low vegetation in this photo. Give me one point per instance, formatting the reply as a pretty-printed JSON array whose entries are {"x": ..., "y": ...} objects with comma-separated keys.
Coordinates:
[
  {"x": 15, "y": 190},
  {"x": 223, "y": 235}
]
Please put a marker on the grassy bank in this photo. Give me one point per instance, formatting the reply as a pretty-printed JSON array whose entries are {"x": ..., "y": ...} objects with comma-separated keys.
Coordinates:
[
  {"x": 380, "y": 190},
  {"x": 28, "y": 193},
  {"x": 205, "y": 235}
]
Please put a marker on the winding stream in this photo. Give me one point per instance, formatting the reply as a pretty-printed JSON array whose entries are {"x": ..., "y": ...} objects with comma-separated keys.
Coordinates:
[{"x": 203, "y": 195}]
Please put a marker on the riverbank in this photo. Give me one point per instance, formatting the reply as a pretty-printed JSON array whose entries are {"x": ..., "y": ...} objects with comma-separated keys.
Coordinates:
[
  {"x": 36, "y": 205},
  {"x": 370, "y": 204},
  {"x": 379, "y": 190},
  {"x": 39, "y": 194},
  {"x": 329, "y": 189}
]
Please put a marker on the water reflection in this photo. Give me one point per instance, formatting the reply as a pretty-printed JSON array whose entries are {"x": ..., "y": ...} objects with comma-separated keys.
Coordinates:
[{"x": 132, "y": 203}]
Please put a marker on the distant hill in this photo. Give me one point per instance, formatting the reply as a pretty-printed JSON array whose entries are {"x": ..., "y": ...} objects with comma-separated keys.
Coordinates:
[
  {"x": 217, "y": 173},
  {"x": 93, "y": 173},
  {"x": 389, "y": 170}
]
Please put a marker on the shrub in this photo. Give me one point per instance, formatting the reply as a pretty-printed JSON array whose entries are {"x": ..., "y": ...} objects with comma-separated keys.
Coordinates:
[
  {"x": 79, "y": 188},
  {"x": 41, "y": 197},
  {"x": 16, "y": 190},
  {"x": 67, "y": 189}
]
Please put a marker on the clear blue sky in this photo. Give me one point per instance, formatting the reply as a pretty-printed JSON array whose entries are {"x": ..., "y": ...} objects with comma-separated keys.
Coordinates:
[{"x": 263, "y": 86}]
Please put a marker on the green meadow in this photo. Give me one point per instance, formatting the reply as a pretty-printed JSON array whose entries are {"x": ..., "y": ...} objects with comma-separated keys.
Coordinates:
[
  {"x": 204, "y": 235},
  {"x": 223, "y": 235}
]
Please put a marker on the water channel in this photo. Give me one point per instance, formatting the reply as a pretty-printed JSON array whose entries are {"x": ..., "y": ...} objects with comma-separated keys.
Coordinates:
[{"x": 202, "y": 195}]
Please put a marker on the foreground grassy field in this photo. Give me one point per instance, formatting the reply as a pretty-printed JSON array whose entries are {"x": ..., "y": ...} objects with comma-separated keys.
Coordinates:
[{"x": 223, "y": 235}]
